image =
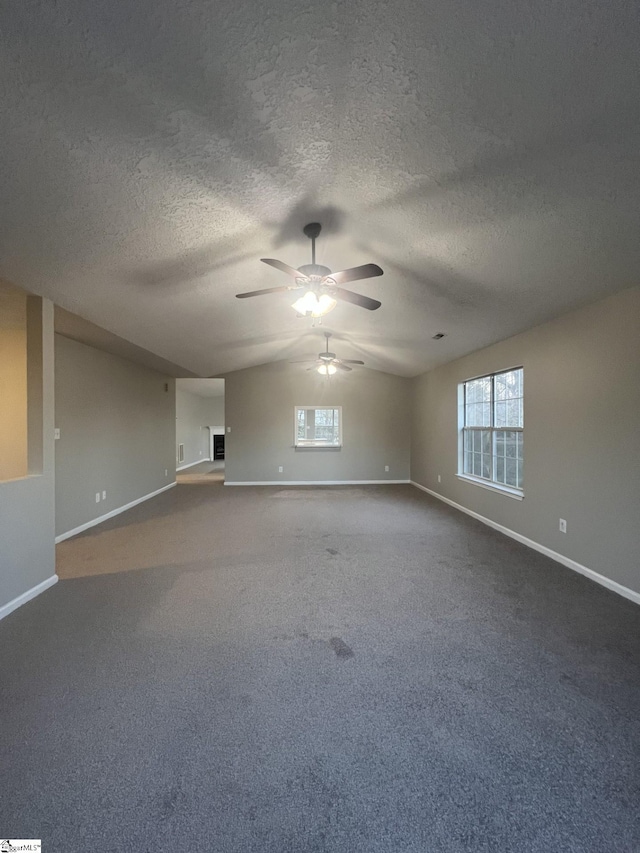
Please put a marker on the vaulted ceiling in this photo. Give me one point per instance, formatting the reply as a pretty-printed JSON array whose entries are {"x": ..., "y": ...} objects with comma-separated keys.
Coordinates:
[{"x": 486, "y": 155}]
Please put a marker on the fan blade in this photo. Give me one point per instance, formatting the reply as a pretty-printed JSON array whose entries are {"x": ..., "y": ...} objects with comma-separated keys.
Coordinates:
[
  {"x": 301, "y": 361},
  {"x": 354, "y": 274},
  {"x": 282, "y": 289},
  {"x": 351, "y": 361},
  {"x": 355, "y": 298},
  {"x": 340, "y": 366},
  {"x": 279, "y": 265}
]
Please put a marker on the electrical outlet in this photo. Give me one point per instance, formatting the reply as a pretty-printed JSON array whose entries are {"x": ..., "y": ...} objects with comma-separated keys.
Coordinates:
[
  {"x": 97, "y": 497},
  {"x": 200, "y": 453},
  {"x": 280, "y": 469},
  {"x": 228, "y": 429},
  {"x": 166, "y": 472},
  {"x": 439, "y": 478},
  {"x": 563, "y": 525},
  {"x": 386, "y": 467},
  {"x": 104, "y": 496}
]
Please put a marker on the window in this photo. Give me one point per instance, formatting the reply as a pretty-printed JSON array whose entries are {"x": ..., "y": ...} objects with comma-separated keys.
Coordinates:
[
  {"x": 493, "y": 429},
  {"x": 316, "y": 427}
]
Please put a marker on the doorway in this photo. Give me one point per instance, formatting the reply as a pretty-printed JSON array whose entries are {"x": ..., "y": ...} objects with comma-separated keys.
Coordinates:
[{"x": 200, "y": 430}]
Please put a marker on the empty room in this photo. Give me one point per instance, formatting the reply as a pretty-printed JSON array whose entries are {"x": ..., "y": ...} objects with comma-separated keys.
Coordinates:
[{"x": 319, "y": 406}]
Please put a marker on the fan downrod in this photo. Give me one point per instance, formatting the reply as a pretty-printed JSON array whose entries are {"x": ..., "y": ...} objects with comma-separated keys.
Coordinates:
[{"x": 312, "y": 230}]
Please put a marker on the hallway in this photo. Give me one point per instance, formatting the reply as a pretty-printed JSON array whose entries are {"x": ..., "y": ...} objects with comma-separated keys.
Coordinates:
[{"x": 204, "y": 474}]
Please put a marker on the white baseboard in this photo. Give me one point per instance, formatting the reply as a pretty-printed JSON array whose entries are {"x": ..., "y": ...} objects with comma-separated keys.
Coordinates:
[
  {"x": 10, "y": 606},
  {"x": 559, "y": 558},
  {"x": 108, "y": 515},
  {"x": 191, "y": 464},
  {"x": 319, "y": 483}
]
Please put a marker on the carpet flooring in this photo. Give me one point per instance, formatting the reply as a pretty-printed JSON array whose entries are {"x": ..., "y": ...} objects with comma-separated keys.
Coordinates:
[{"x": 318, "y": 670}]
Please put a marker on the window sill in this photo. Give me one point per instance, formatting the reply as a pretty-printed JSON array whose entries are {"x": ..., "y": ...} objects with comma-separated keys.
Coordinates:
[
  {"x": 305, "y": 447},
  {"x": 516, "y": 494}
]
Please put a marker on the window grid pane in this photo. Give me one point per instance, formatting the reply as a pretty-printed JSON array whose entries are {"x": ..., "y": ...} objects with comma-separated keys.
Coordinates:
[
  {"x": 477, "y": 453},
  {"x": 478, "y": 402},
  {"x": 508, "y": 403}
]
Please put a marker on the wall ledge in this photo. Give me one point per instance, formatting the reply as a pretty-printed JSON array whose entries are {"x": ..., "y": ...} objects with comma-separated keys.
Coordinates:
[
  {"x": 10, "y": 606},
  {"x": 108, "y": 515},
  {"x": 614, "y": 586}
]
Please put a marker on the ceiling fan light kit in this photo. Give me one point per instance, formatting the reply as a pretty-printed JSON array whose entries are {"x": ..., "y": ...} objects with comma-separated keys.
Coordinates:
[
  {"x": 327, "y": 363},
  {"x": 312, "y": 305},
  {"x": 323, "y": 287}
]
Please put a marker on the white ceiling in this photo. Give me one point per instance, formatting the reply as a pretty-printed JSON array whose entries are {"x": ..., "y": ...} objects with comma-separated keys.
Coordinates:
[{"x": 486, "y": 155}]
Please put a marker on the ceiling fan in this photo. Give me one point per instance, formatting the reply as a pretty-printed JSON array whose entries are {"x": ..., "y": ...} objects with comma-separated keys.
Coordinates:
[
  {"x": 322, "y": 287},
  {"x": 327, "y": 363}
]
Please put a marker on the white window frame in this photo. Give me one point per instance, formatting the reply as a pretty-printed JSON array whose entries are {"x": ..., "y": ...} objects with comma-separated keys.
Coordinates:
[
  {"x": 491, "y": 484},
  {"x": 318, "y": 444}
]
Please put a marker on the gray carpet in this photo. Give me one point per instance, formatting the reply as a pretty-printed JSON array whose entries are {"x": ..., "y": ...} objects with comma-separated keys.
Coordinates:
[{"x": 335, "y": 669}]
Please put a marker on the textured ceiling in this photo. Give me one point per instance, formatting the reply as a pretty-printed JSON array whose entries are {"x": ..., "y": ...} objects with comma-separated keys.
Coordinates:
[{"x": 484, "y": 154}]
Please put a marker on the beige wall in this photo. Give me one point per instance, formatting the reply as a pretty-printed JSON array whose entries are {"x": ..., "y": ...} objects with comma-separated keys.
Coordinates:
[
  {"x": 117, "y": 432},
  {"x": 27, "y": 554},
  {"x": 259, "y": 406},
  {"x": 13, "y": 382},
  {"x": 582, "y": 427},
  {"x": 194, "y": 413}
]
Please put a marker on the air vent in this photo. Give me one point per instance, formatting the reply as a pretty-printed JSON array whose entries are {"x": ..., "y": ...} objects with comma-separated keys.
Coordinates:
[
  {"x": 438, "y": 336},
  {"x": 181, "y": 453}
]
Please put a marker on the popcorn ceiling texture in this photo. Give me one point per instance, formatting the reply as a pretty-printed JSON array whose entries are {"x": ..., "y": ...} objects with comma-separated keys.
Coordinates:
[{"x": 485, "y": 155}]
